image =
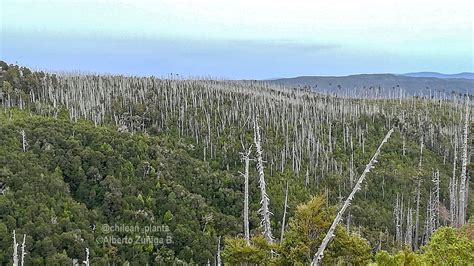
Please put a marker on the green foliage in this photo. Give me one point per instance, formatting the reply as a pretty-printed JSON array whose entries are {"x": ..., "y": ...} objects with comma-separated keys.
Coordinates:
[
  {"x": 258, "y": 252},
  {"x": 75, "y": 177},
  {"x": 307, "y": 229},
  {"x": 449, "y": 246},
  {"x": 402, "y": 257}
]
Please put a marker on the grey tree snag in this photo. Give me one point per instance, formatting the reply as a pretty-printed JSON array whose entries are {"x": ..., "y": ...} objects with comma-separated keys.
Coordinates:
[
  {"x": 218, "y": 259},
  {"x": 453, "y": 189},
  {"x": 397, "y": 213},
  {"x": 86, "y": 262},
  {"x": 245, "y": 158},
  {"x": 409, "y": 230},
  {"x": 23, "y": 140},
  {"x": 435, "y": 203},
  {"x": 464, "y": 179},
  {"x": 422, "y": 144},
  {"x": 330, "y": 234},
  {"x": 265, "y": 201},
  {"x": 417, "y": 215},
  {"x": 15, "y": 250},
  {"x": 284, "y": 214},
  {"x": 23, "y": 245}
]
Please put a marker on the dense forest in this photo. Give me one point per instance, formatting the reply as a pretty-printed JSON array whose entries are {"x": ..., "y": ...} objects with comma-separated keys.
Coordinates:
[{"x": 109, "y": 169}]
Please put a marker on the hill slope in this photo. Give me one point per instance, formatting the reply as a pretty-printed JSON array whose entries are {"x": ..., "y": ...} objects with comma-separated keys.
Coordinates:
[
  {"x": 113, "y": 150},
  {"x": 357, "y": 84},
  {"x": 463, "y": 75}
]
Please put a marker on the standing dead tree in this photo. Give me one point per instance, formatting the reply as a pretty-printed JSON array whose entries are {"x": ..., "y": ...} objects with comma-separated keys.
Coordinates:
[
  {"x": 15, "y": 250},
  {"x": 245, "y": 157},
  {"x": 398, "y": 215},
  {"x": 464, "y": 179},
  {"x": 284, "y": 214},
  {"x": 330, "y": 234},
  {"x": 422, "y": 144},
  {"x": 23, "y": 140},
  {"x": 86, "y": 262},
  {"x": 453, "y": 189},
  {"x": 417, "y": 214},
  {"x": 218, "y": 255},
  {"x": 409, "y": 229},
  {"x": 23, "y": 252},
  {"x": 265, "y": 201},
  {"x": 435, "y": 202}
]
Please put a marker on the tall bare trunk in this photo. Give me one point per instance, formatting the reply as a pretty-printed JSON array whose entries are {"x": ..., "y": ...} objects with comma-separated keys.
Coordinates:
[
  {"x": 464, "y": 179},
  {"x": 453, "y": 202},
  {"x": 245, "y": 174},
  {"x": 417, "y": 214},
  {"x": 23, "y": 245},
  {"x": 330, "y": 234},
  {"x": 284, "y": 214},
  {"x": 218, "y": 259},
  {"x": 265, "y": 201},
  {"x": 15, "y": 250}
]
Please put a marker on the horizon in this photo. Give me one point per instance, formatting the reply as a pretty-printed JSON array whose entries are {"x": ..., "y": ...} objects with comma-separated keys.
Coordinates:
[{"x": 247, "y": 40}]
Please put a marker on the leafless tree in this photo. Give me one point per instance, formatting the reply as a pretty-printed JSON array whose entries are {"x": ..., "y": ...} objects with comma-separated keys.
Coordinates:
[
  {"x": 330, "y": 234},
  {"x": 245, "y": 158},
  {"x": 284, "y": 213},
  {"x": 265, "y": 201},
  {"x": 464, "y": 157},
  {"x": 15, "y": 250}
]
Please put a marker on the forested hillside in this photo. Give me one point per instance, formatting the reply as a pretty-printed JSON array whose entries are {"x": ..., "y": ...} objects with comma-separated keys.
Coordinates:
[
  {"x": 385, "y": 85},
  {"x": 81, "y": 154}
]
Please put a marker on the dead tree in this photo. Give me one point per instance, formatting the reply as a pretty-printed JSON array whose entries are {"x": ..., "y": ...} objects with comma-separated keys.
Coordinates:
[
  {"x": 422, "y": 144},
  {"x": 23, "y": 139},
  {"x": 417, "y": 214},
  {"x": 409, "y": 229},
  {"x": 284, "y": 213},
  {"x": 15, "y": 250},
  {"x": 245, "y": 158},
  {"x": 453, "y": 189},
  {"x": 330, "y": 234},
  {"x": 435, "y": 202},
  {"x": 218, "y": 255},
  {"x": 398, "y": 219},
  {"x": 464, "y": 179},
  {"x": 23, "y": 245},
  {"x": 86, "y": 262},
  {"x": 265, "y": 201}
]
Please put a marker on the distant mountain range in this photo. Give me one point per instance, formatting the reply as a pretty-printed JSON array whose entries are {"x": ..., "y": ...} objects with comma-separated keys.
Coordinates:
[
  {"x": 463, "y": 75},
  {"x": 412, "y": 83}
]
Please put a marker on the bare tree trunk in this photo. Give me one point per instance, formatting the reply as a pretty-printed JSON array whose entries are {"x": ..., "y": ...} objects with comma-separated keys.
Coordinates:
[
  {"x": 23, "y": 139},
  {"x": 436, "y": 199},
  {"x": 330, "y": 234},
  {"x": 246, "y": 159},
  {"x": 218, "y": 262},
  {"x": 398, "y": 220},
  {"x": 284, "y": 214},
  {"x": 265, "y": 201},
  {"x": 86, "y": 262},
  {"x": 15, "y": 250},
  {"x": 453, "y": 189},
  {"x": 422, "y": 144},
  {"x": 417, "y": 218},
  {"x": 23, "y": 245},
  {"x": 464, "y": 179},
  {"x": 409, "y": 230}
]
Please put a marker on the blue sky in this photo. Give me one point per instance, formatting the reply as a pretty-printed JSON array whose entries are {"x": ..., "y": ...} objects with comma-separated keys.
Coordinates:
[{"x": 239, "y": 39}]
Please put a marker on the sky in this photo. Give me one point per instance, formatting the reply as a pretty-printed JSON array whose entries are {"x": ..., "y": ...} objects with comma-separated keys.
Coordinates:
[{"x": 245, "y": 39}]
